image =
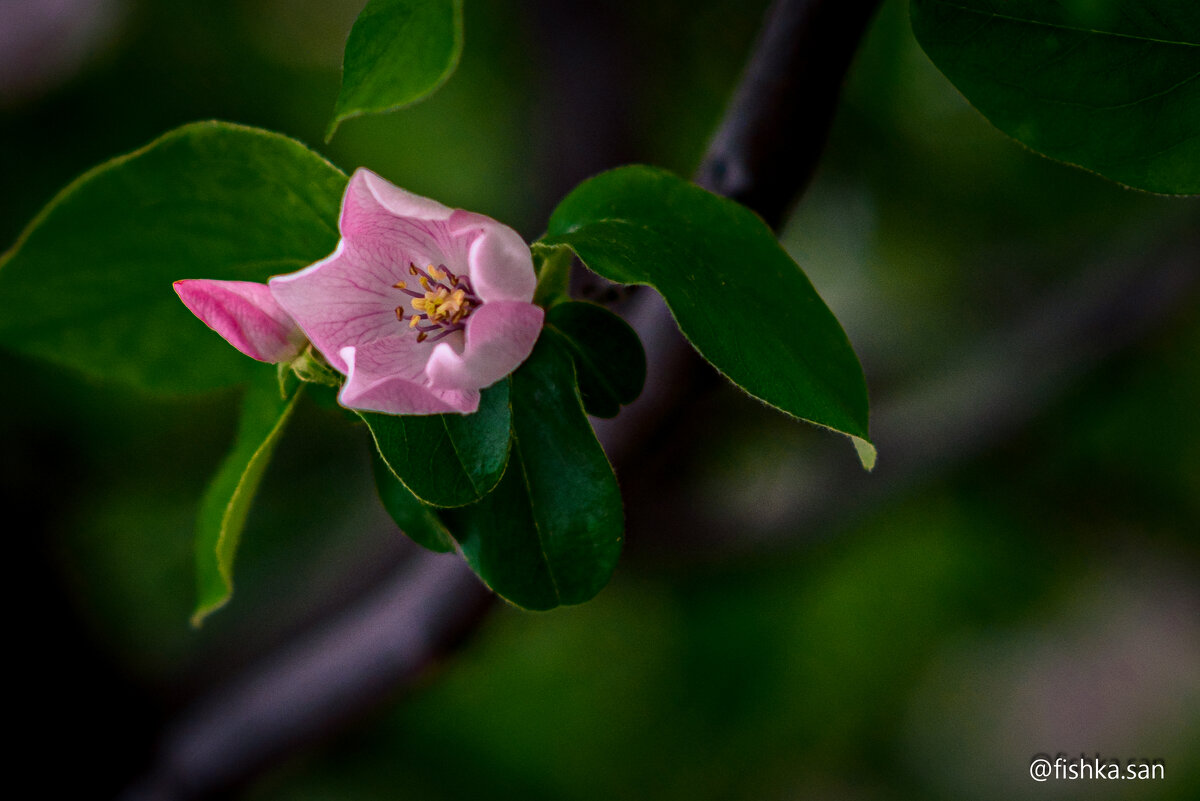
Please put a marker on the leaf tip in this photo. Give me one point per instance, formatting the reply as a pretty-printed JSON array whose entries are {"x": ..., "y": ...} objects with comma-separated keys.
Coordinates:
[
  {"x": 866, "y": 452},
  {"x": 206, "y": 608}
]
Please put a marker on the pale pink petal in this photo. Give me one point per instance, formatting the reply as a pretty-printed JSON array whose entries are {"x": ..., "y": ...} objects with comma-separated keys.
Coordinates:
[
  {"x": 370, "y": 387},
  {"x": 399, "y": 355},
  {"x": 500, "y": 264},
  {"x": 368, "y": 195},
  {"x": 246, "y": 315},
  {"x": 499, "y": 336},
  {"x": 346, "y": 299},
  {"x": 377, "y": 216}
]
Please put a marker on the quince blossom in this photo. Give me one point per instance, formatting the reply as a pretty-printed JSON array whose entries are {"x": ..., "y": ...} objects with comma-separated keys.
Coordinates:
[{"x": 420, "y": 306}]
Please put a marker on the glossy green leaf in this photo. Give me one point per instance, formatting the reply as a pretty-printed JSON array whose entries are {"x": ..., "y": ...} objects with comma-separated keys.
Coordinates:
[
  {"x": 398, "y": 52},
  {"x": 417, "y": 520},
  {"x": 744, "y": 304},
  {"x": 88, "y": 285},
  {"x": 609, "y": 359},
  {"x": 265, "y": 411},
  {"x": 447, "y": 459},
  {"x": 1112, "y": 86},
  {"x": 551, "y": 531}
]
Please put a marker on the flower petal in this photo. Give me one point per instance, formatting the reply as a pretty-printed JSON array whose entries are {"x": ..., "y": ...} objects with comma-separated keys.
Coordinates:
[
  {"x": 499, "y": 336},
  {"x": 371, "y": 386},
  {"x": 500, "y": 264},
  {"x": 346, "y": 299},
  {"x": 246, "y": 315},
  {"x": 370, "y": 199},
  {"x": 399, "y": 227}
]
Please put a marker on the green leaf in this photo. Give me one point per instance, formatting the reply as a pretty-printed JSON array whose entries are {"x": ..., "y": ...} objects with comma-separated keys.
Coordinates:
[
  {"x": 417, "y": 520},
  {"x": 265, "y": 411},
  {"x": 88, "y": 284},
  {"x": 398, "y": 52},
  {"x": 551, "y": 531},
  {"x": 735, "y": 293},
  {"x": 553, "y": 265},
  {"x": 447, "y": 459},
  {"x": 1112, "y": 86},
  {"x": 609, "y": 359}
]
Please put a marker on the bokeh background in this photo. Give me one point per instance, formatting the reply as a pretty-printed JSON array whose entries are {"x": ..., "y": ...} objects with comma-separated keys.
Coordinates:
[{"x": 1023, "y": 578}]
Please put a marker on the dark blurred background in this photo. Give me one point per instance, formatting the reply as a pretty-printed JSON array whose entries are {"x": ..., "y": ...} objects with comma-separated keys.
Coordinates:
[{"x": 1020, "y": 575}]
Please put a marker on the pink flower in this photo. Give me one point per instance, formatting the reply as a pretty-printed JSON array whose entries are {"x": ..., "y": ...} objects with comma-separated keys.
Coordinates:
[
  {"x": 420, "y": 306},
  {"x": 246, "y": 315}
]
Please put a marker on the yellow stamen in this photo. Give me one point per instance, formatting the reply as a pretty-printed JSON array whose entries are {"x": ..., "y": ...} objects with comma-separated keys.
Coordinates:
[{"x": 440, "y": 306}]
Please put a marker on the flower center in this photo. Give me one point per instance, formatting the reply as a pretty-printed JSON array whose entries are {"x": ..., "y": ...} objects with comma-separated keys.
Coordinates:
[{"x": 446, "y": 301}]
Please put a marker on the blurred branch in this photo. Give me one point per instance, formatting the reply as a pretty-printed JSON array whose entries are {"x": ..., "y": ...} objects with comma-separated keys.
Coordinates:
[
  {"x": 763, "y": 154},
  {"x": 771, "y": 138},
  {"x": 989, "y": 392},
  {"x": 317, "y": 685}
]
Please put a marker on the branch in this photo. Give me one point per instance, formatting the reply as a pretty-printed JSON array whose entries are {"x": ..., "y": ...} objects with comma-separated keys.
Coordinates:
[
  {"x": 774, "y": 131},
  {"x": 319, "y": 684},
  {"x": 978, "y": 400}
]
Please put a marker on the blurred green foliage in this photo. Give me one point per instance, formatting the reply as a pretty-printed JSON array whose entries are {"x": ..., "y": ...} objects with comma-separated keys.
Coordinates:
[{"x": 925, "y": 651}]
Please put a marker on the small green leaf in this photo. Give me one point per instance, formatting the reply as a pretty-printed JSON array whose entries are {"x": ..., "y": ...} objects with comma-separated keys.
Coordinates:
[
  {"x": 447, "y": 459},
  {"x": 265, "y": 411},
  {"x": 1112, "y": 86},
  {"x": 735, "y": 293},
  {"x": 609, "y": 358},
  {"x": 551, "y": 531},
  {"x": 88, "y": 285},
  {"x": 398, "y": 52},
  {"x": 417, "y": 520},
  {"x": 553, "y": 265}
]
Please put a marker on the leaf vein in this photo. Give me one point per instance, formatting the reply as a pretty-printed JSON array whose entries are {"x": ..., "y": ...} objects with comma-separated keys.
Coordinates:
[{"x": 1061, "y": 26}]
